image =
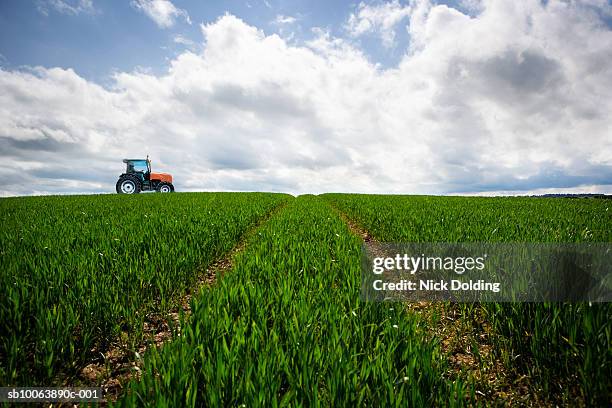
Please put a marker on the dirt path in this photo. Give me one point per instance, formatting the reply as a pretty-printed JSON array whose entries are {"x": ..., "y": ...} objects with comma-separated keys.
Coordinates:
[
  {"x": 119, "y": 364},
  {"x": 467, "y": 343}
]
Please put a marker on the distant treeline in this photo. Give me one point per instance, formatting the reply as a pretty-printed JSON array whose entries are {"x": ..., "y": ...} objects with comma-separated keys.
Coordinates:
[{"x": 604, "y": 196}]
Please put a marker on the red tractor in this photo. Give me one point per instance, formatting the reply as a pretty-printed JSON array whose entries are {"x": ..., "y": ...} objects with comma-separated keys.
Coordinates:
[{"x": 138, "y": 177}]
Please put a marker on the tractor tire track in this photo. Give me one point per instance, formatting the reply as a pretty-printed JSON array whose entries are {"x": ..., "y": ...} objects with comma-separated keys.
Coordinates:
[
  {"x": 464, "y": 348},
  {"x": 119, "y": 364}
]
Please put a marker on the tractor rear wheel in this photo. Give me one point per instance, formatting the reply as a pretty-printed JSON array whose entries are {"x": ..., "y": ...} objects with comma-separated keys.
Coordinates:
[
  {"x": 128, "y": 185},
  {"x": 165, "y": 188}
]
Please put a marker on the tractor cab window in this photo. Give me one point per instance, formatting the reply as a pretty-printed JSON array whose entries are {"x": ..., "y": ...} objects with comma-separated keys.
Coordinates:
[{"x": 140, "y": 165}]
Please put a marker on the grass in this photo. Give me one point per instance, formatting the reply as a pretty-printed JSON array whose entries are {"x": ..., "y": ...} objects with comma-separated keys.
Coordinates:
[
  {"x": 78, "y": 271},
  {"x": 564, "y": 349},
  {"x": 287, "y": 327}
]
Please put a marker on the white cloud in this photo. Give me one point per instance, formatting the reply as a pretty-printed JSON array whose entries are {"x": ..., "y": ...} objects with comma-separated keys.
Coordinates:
[
  {"x": 280, "y": 19},
  {"x": 162, "y": 12},
  {"x": 71, "y": 7},
  {"x": 516, "y": 98},
  {"x": 380, "y": 19},
  {"x": 474, "y": 6},
  {"x": 180, "y": 39},
  {"x": 286, "y": 26}
]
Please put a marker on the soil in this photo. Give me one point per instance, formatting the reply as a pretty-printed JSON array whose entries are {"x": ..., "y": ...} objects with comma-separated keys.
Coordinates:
[
  {"x": 120, "y": 363},
  {"x": 468, "y": 345}
]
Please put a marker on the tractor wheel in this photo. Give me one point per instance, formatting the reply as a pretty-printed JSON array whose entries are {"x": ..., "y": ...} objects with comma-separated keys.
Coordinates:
[
  {"x": 165, "y": 188},
  {"x": 128, "y": 185}
]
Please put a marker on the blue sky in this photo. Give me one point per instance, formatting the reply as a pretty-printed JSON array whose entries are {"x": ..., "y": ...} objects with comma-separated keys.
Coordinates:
[
  {"x": 378, "y": 96},
  {"x": 115, "y": 36}
]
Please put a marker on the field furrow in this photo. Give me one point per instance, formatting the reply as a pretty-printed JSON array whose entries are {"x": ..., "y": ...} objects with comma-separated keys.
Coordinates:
[
  {"x": 94, "y": 282},
  {"x": 77, "y": 273},
  {"x": 551, "y": 353},
  {"x": 286, "y": 326},
  {"x": 123, "y": 364}
]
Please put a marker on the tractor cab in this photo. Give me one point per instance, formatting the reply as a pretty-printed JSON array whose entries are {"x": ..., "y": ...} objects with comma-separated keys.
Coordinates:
[
  {"x": 139, "y": 177},
  {"x": 139, "y": 167}
]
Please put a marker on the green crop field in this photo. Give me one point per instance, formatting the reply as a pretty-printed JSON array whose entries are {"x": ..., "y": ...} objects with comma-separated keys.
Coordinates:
[
  {"x": 565, "y": 349},
  {"x": 285, "y": 325},
  {"x": 76, "y": 271}
]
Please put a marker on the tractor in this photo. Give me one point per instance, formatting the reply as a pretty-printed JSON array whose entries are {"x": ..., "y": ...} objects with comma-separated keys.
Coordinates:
[{"x": 138, "y": 177}]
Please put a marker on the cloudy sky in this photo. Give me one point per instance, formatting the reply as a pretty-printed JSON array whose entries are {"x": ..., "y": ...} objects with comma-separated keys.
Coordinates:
[{"x": 308, "y": 96}]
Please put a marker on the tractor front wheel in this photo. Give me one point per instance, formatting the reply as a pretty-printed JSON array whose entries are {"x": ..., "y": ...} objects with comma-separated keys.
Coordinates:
[
  {"x": 165, "y": 188},
  {"x": 127, "y": 185}
]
